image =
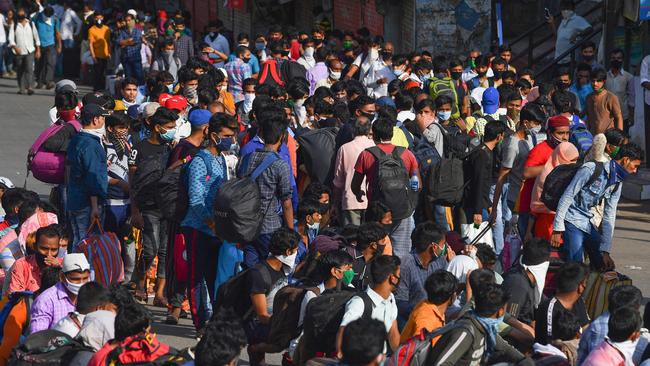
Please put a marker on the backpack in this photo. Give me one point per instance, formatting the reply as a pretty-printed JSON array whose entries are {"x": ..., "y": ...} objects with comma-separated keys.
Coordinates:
[
  {"x": 291, "y": 70},
  {"x": 580, "y": 136},
  {"x": 14, "y": 299},
  {"x": 271, "y": 73},
  {"x": 164, "y": 66},
  {"x": 317, "y": 150},
  {"x": 234, "y": 293},
  {"x": 425, "y": 154},
  {"x": 559, "y": 179},
  {"x": 48, "y": 167},
  {"x": 238, "y": 209},
  {"x": 286, "y": 314},
  {"x": 445, "y": 86},
  {"x": 145, "y": 350},
  {"x": 173, "y": 189},
  {"x": 46, "y": 348},
  {"x": 323, "y": 317},
  {"x": 416, "y": 350},
  {"x": 146, "y": 178},
  {"x": 392, "y": 186}
]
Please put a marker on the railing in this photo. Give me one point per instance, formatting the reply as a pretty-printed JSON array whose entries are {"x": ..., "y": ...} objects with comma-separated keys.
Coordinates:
[
  {"x": 534, "y": 42},
  {"x": 571, "y": 52}
]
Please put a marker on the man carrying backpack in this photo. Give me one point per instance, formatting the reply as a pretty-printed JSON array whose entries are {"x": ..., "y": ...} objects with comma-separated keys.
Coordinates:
[
  {"x": 442, "y": 84},
  {"x": 573, "y": 216},
  {"x": 387, "y": 169},
  {"x": 206, "y": 173},
  {"x": 377, "y": 302},
  {"x": 87, "y": 176}
]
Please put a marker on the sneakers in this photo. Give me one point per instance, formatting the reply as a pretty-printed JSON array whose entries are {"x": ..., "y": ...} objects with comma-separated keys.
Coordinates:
[
  {"x": 50, "y": 85},
  {"x": 30, "y": 91}
]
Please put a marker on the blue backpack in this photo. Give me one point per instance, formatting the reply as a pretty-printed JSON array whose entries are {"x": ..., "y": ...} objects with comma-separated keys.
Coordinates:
[
  {"x": 425, "y": 154},
  {"x": 580, "y": 136}
]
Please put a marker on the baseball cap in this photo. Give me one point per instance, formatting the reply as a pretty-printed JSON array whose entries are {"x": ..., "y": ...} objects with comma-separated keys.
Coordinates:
[
  {"x": 490, "y": 101},
  {"x": 149, "y": 109},
  {"x": 101, "y": 98},
  {"x": 132, "y": 12},
  {"x": 176, "y": 102},
  {"x": 65, "y": 85},
  {"x": 6, "y": 183},
  {"x": 91, "y": 111},
  {"x": 199, "y": 117},
  {"x": 163, "y": 98},
  {"x": 75, "y": 262},
  {"x": 133, "y": 111},
  {"x": 119, "y": 106},
  {"x": 385, "y": 101}
]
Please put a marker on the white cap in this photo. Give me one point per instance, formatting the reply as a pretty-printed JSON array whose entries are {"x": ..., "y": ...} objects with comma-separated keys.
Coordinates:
[
  {"x": 75, "y": 262},
  {"x": 6, "y": 182},
  {"x": 132, "y": 12}
]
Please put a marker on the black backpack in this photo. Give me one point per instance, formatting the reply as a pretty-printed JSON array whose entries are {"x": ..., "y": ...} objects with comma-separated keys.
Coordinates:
[
  {"x": 145, "y": 180},
  {"x": 286, "y": 315},
  {"x": 317, "y": 151},
  {"x": 172, "y": 192},
  {"x": 45, "y": 348},
  {"x": 392, "y": 182},
  {"x": 291, "y": 70},
  {"x": 238, "y": 209},
  {"x": 234, "y": 294},
  {"x": 559, "y": 179},
  {"x": 424, "y": 152},
  {"x": 323, "y": 318}
]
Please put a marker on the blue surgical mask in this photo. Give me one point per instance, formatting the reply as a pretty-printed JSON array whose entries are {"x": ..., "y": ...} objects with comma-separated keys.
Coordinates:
[
  {"x": 170, "y": 88},
  {"x": 62, "y": 252},
  {"x": 616, "y": 173},
  {"x": 312, "y": 230},
  {"x": 444, "y": 115},
  {"x": 234, "y": 148},
  {"x": 168, "y": 135},
  {"x": 224, "y": 144},
  {"x": 260, "y": 46},
  {"x": 398, "y": 72}
]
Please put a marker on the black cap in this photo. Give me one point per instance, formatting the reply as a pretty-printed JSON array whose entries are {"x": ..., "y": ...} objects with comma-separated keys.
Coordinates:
[{"x": 91, "y": 111}]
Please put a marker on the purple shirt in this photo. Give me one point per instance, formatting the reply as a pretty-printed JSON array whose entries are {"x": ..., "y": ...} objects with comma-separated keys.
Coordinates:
[
  {"x": 49, "y": 307},
  {"x": 316, "y": 74},
  {"x": 237, "y": 71}
]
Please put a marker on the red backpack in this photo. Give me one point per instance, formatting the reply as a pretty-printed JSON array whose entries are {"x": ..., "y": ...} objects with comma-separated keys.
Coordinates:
[{"x": 144, "y": 350}]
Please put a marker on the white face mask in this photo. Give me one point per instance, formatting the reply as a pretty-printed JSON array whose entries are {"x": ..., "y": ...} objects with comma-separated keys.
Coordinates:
[
  {"x": 309, "y": 52},
  {"x": 539, "y": 272},
  {"x": 289, "y": 261},
  {"x": 335, "y": 75},
  {"x": 99, "y": 132},
  {"x": 248, "y": 101},
  {"x": 73, "y": 287},
  {"x": 300, "y": 102},
  {"x": 373, "y": 54},
  {"x": 566, "y": 14}
]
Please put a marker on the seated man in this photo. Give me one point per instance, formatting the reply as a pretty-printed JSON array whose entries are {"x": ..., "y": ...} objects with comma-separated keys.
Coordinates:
[
  {"x": 222, "y": 342},
  {"x": 59, "y": 300},
  {"x": 363, "y": 343},
  {"x": 92, "y": 296},
  {"x": 561, "y": 351},
  {"x": 26, "y": 271},
  {"x": 623, "y": 329},
  {"x": 372, "y": 240}
]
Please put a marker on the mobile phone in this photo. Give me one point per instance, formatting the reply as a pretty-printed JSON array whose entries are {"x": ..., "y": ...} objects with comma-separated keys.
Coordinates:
[{"x": 547, "y": 14}]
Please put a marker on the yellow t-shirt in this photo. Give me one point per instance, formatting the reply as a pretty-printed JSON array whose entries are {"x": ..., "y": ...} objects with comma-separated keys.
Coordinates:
[
  {"x": 399, "y": 138},
  {"x": 99, "y": 39}
]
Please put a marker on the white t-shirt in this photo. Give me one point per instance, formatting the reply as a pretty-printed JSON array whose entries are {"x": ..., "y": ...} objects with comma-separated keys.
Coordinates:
[
  {"x": 69, "y": 326},
  {"x": 567, "y": 29}
]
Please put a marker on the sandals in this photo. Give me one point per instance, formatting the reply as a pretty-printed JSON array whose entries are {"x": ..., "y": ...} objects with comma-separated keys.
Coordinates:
[{"x": 160, "y": 302}]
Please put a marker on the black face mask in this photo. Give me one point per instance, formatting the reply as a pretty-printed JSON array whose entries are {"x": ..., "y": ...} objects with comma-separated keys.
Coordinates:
[
  {"x": 562, "y": 85},
  {"x": 285, "y": 53},
  {"x": 246, "y": 59},
  {"x": 482, "y": 74},
  {"x": 588, "y": 58},
  {"x": 498, "y": 74},
  {"x": 318, "y": 42},
  {"x": 456, "y": 75},
  {"x": 20, "y": 17},
  {"x": 387, "y": 54},
  {"x": 379, "y": 251},
  {"x": 616, "y": 64}
]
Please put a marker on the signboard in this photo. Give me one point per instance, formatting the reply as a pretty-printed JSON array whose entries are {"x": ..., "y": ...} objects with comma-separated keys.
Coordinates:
[{"x": 644, "y": 10}]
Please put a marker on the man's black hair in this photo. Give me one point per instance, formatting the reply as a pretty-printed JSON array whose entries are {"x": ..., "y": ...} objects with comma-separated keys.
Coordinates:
[
  {"x": 282, "y": 240},
  {"x": 27, "y": 209},
  {"x": 486, "y": 254},
  {"x": 403, "y": 101},
  {"x": 489, "y": 299},
  {"x": 624, "y": 296},
  {"x": 493, "y": 129},
  {"x": 369, "y": 232},
  {"x": 583, "y": 66},
  {"x": 322, "y": 107},
  {"x": 315, "y": 190},
  {"x": 361, "y": 127},
  {"x": 505, "y": 48},
  {"x": 307, "y": 208},
  {"x": 427, "y": 102},
  {"x": 532, "y": 112},
  {"x": 50, "y": 276},
  {"x": 332, "y": 259},
  {"x": 341, "y": 112},
  {"x": 440, "y": 286},
  {"x": 382, "y": 267},
  {"x": 615, "y": 136},
  {"x": 588, "y": 44},
  {"x": 481, "y": 277},
  {"x": 186, "y": 74},
  {"x": 563, "y": 101},
  {"x": 207, "y": 96},
  {"x": 117, "y": 119},
  {"x": 425, "y": 234},
  {"x": 222, "y": 341},
  {"x": 92, "y": 295},
  {"x": 339, "y": 86},
  {"x": 66, "y": 100},
  {"x": 631, "y": 151},
  {"x": 273, "y": 129},
  {"x": 219, "y": 121},
  {"x": 50, "y": 231},
  {"x": 536, "y": 251},
  {"x": 131, "y": 320},
  {"x": 389, "y": 112},
  {"x": 563, "y": 70},
  {"x": 599, "y": 74},
  {"x": 443, "y": 99},
  {"x": 523, "y": 84},
  {"x": 362, "y": 100},
  {"x": 482, "y": 60},
  {"x": 363, "y": 341},
  {"x": 297, "y": 89},
  {"x": 570, "y": 276},
  {"x": 162, "y": 116},
  {"x": 382, "y": 129},
  {"x": 509, "y": 74},
  {"x": 376, "y": 211},
  {"x": 566, "y": 325},
  {"x": 13, "y": 198},
  {"x": 623, "y": 323},
  {"x": 129, "y": 81}
]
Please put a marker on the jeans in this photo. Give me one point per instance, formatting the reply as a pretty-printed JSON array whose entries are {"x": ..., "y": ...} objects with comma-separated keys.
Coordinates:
[
  {"x": 352, "y": 217},
  {"x": 154, "y": 243},
  {"x": 80, "y": 223},
  {"x": 133, "y": 68},
  {"x": 3, "y": 48},
  {"x": 202, "y": 255},
  {"x": 400, "y": 236},
  {"x": 575, "y": 240},
  {"x": 257, "y": 250},
  {"x": 116, "y": 217},
  {"x": 46, "y": 64},
  {"x": 504, "y": 215},
  {"x": 24, "y": 65}
]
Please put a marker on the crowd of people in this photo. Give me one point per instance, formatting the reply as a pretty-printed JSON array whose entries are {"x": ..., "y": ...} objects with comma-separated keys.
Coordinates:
[{"x": 316, "y": 194}]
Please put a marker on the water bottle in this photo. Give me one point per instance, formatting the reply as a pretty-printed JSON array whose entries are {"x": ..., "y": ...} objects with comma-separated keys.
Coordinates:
[{"x": 415, "y": 182}]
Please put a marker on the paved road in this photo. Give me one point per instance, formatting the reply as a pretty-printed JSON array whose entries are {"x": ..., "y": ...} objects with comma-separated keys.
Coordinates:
[{"x": 23, "y": 117}]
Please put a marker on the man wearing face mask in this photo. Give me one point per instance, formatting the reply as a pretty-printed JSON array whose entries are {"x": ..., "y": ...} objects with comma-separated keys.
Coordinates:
[
  {"x": 308, "y": 226},
  {"x": 239, "y": 70},
  {"x": 385, "y": 280},
  {"x": 48, "y": 27},
  {"x": 602, "y": 107},
  {"x": 430, "y": 254},
  {"x": 372, "y": 239},
  {"x": 218, "y": 42},
  {"x": 86, "y": 178},
  {"x": 183, "y": 41},
  {"x": 59, "y": 300},
  {"x": 307, "y": 59},
  {"x": 99, "y": 39},
  {"x": 572, "y": 222},
  {"x": 26, "y": 271},
  {"x": 145, "y": 213},
  {"x": 380, "y": 73},
  {"x": 621, "y": 84},
  {"x": 588, "y": 55},
  {"x": 207, "y": 171},
  {"x": 25, "y": 45},
  {"x": 365, "y": 59},
  {"x": 334, "y": 67},
  {"x": 570, "y": 29},
  {"x": 167, "y": 59},
  {"x": 130, "y": 41},
  {"x": 265, "y": 279}
]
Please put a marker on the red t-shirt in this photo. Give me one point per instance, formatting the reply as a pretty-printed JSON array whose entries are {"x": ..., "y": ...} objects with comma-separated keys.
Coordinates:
[
  {"x": 538, "y": 156},
  {"x": 366, "y": 164}
]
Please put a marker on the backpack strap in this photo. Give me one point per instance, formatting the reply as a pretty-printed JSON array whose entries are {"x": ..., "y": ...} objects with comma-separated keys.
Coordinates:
[
  {"x": 376, "y": 152},
  {"x": 368, "y": 305},
  {"x": 29, "y": 299},
  {"x": 397, "y": 152},
  {"x": 597, "y": 172},
  {"x": 208, "y": 164},
  {"x": 409, "y": 137},
  {"x": 264, "y": 165},
  {"x": 266, "y": 275}
]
